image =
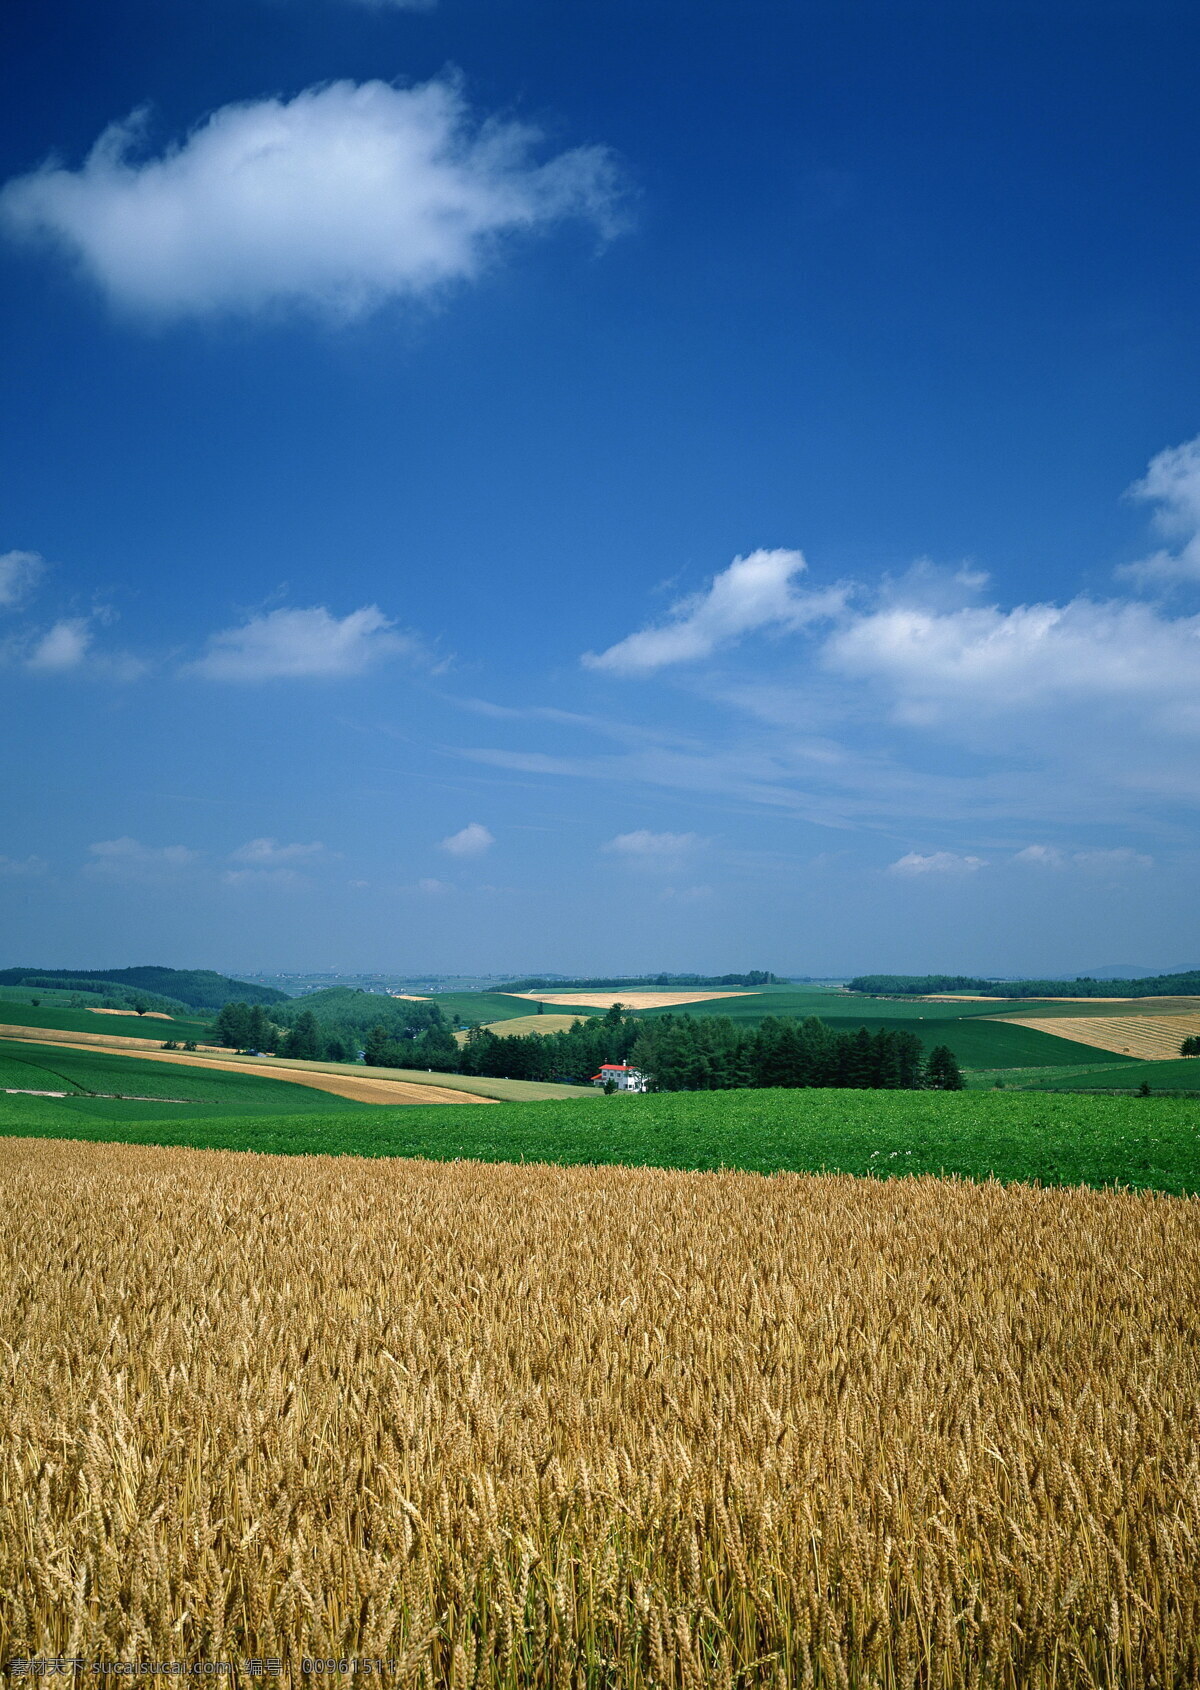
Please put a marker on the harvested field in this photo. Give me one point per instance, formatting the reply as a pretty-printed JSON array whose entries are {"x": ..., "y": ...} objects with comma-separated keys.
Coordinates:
[
  {"x": 146, "y": 1015},
  {"x": 543, "y": 1024},
  {"x": 531, "y": 1426},
  {"x": 632, "y": 1000},
  {"x": 1151, "y": 1037}
]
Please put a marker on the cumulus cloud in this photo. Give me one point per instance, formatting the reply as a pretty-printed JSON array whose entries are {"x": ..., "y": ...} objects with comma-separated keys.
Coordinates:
[
  {"x": 471, "y": 841},
  {"x": 62, "y": 647},
  {"x": 19, "y": 572},
  {"x": 302, "y": 645},
  {"x": 756, "y": 591},
  {"x": 937, "y": 862},
  {"x": 129, "y": 859},
  {"x": 434, "y": 888},
  {"x": 338, "y": 199},
  {"x": 1172, "y": 484},
  {"x": 269, "y": 853}
]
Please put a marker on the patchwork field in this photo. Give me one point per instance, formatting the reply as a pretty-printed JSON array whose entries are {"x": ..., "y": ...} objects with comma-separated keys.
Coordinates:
[
  {"x": 534, "y": 1426},
  {"x": 1149, "y": 1037},
  {"x": 632, "y": 1000}
]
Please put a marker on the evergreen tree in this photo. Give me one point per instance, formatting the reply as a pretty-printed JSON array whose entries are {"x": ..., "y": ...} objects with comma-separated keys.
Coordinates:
[
  {"x": 942, "y": 1072},
  {"x": 232, "y": 1026},
  {"x": 304, "y": 1042}
]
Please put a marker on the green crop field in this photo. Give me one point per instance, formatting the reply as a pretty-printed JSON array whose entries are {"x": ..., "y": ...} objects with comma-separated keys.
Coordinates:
[
  {"x": 130, "y": 1026},
  {"x": 1151, "y": 1143},
  {"x": 208, "y": 1092}
]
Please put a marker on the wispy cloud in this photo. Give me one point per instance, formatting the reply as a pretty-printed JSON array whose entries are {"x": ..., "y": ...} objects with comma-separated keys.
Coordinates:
[
  {"x": 303, "y": 645},
  {"x": 471, "y": 841},
  {"x": 12, "y": 868},
  {"x": 129, "y": 859},
  {"x": 757, "y": 591},
  {"x": 643, "y": 843},
  {"x": 1115, "y": 860},
  {"x": 62, "y": 647},
  {"x": 1172, "y": 485},
  {"x": 19, "y": 574},
  {"x": 269, "y": 853},
  {"x": 337, "y": 200}
]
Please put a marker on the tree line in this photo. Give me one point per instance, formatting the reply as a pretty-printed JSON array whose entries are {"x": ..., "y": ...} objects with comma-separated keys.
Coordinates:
[
  {"x": 676, "y": 1052},
  {"x": 715, "y": 1053},
  {"x": 923, "y": 985},
  {"x": 641, "y": 982}
]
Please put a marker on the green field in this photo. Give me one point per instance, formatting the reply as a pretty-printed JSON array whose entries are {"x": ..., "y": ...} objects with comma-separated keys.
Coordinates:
[
  {"x": 484, "y": 1007},
  {"x": 1151, "y": 1143},
  {"x": 129, "y": 1026}
]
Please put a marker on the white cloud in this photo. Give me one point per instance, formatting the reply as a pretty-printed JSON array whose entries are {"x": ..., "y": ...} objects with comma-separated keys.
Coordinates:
[
  {"x": 643, "y": 843},
  {"x": 338, "y": 199},
  {"x": 63, "y": 647},
  {"x": 756, "y": 591},
  {"x": 129, "y": 859},
  {"x": 471, "y": 841},
  {"x": 937, "y": 862},
  {"x": 1172, "y": 483},
  {"x": 1031, "y": 657},
  {"x": 269, "y": 853},
  {"x": 17, "y": 867},
  {"x": 434, "y": 888},
  {"x": 302, "y": 644},
  {"x": 19, "y": 572},
  {"x": 1041, "y": 856}
]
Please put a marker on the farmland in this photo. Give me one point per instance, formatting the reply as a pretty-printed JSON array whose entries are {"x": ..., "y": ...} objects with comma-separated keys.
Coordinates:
[
  {"x": 1151, "y": 1143},
  {"x": 536, "y": 1426}
]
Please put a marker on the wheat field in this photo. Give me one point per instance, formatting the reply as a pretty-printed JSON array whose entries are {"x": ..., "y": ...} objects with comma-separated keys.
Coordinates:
[
  {"x": 1153, "y": 1038},
  {"x": 538, "y": 1426}
]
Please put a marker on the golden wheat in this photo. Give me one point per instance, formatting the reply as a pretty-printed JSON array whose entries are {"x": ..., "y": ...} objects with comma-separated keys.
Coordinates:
[{"x": 533, "y": 1426}]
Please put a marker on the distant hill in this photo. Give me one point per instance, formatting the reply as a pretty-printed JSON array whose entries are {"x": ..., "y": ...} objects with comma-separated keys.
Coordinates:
[
  {"x": 198, "y": 988},
  {"x": 1184, "y": 985},
  {"x": 639, "y": 982}
]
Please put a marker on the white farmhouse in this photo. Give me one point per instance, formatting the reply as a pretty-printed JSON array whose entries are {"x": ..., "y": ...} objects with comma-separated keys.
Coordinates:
[{"x": 624, "y": 1077}]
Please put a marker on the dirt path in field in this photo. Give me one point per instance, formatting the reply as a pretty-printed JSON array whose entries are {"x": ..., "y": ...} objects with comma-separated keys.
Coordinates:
[
  {"x": 1154, "y": 1038},
  {"x": 366, "y": 1089},
  {"x": 634, "y": 1000}
]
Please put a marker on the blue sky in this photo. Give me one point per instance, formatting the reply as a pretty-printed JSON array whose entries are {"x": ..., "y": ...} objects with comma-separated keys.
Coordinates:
[{"x": 599, "y": 486}]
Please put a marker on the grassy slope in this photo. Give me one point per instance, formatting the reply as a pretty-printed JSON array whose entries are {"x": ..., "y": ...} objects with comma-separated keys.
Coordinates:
[
  {"x": 1149, "y": 1143},
  {"x": 209, "y": 1091},
  {"x": 84, "y": 1021}
]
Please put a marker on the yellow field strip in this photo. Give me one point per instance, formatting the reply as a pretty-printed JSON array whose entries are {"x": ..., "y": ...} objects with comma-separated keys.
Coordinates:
[
  {"x": 360, "y": 1089},
  {"x": 633, "y": 1000},
  {"x": 1151, "y": 1037},
  {"x": 488, "y": 1425}
]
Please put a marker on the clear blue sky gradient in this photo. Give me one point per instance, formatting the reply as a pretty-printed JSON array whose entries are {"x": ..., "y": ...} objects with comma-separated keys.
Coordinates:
[{"x": 888, "y": 283}]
